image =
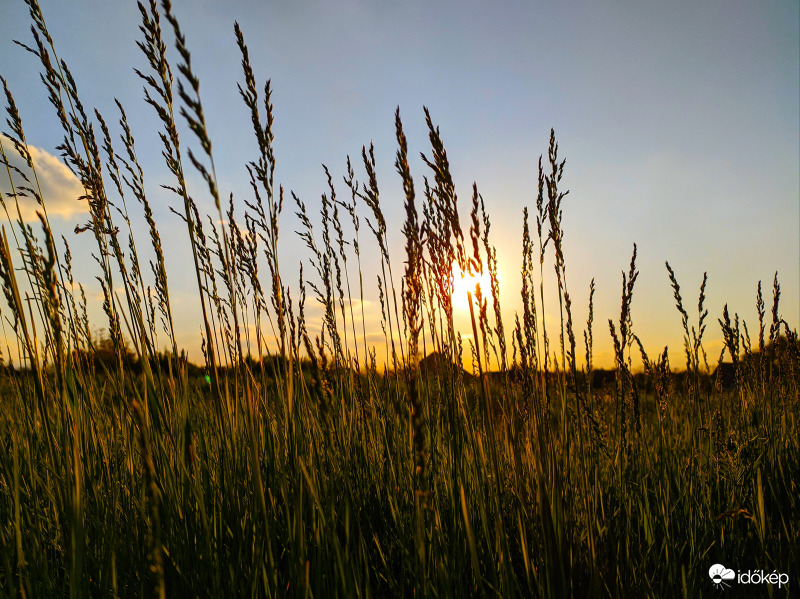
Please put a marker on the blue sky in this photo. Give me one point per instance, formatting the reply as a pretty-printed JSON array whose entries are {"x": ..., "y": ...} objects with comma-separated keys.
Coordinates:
[{"x": 680, "y": 123}]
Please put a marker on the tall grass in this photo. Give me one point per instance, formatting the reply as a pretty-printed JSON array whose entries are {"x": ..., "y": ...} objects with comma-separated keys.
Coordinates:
[{"x": 318, "y": 465}]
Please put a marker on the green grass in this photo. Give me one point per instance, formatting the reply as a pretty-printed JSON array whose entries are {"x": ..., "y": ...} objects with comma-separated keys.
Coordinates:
[{"x": 303, "y": 467}]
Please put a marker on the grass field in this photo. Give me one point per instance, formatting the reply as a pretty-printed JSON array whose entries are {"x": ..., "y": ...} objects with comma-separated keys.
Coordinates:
[{"x": 294, "y": 464}]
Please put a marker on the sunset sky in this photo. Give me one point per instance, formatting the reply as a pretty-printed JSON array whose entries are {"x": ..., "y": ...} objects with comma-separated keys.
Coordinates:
[{"x": 680, "y": 123}]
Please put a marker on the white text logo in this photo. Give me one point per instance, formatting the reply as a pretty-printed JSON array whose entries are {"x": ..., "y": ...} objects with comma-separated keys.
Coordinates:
[{"x": 723, "y": 577}]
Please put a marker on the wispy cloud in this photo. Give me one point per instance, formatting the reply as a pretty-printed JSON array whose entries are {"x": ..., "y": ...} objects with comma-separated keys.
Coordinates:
[{"x": 60, "y": 188}]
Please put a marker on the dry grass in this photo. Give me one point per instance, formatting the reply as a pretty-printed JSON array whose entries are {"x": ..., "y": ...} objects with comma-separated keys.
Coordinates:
[{"x": 295, "y": 468}]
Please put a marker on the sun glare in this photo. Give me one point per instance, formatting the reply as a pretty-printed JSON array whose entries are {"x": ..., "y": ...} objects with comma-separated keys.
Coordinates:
[{"x": 464, "y": 282}]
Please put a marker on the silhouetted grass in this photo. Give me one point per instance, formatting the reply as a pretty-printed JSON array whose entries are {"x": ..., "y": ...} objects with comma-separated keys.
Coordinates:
[{"x": 320, "y": 465}]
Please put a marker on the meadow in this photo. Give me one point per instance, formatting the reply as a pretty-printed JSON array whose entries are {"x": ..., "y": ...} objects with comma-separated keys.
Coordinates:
[{"x": 302, "y": 464}]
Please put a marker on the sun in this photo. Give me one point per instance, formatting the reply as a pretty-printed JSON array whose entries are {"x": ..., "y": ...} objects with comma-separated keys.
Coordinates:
[{"x": 465, "y": 282}]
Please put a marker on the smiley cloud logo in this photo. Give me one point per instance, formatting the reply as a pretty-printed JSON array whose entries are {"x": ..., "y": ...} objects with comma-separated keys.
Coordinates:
[{"x": 719, "y": 574}]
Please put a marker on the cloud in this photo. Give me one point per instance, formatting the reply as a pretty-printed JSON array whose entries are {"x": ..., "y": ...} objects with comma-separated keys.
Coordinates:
[
  {"x": 60, "y": 188},
  {"x": 375, "y": 338}
]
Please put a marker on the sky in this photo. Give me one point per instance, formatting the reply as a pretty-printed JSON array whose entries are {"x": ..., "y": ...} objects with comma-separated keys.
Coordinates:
[{"x": 679, "y": 122}]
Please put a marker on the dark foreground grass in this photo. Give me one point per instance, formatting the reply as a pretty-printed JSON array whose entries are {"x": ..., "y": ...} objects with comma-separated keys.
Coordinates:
[{"x": 300, "y": 466}]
